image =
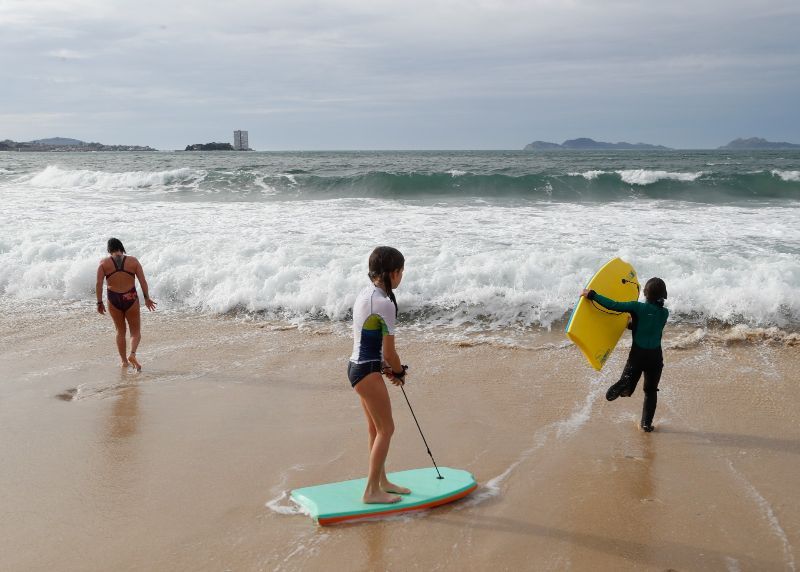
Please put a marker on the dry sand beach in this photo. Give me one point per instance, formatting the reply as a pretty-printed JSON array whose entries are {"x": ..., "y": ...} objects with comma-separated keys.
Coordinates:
[{"x": 186, "y": 465}]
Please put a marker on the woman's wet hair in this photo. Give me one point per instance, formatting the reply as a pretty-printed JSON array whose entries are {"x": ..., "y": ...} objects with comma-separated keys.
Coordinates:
[
  {"x": 115, "y": 245},
  {"x": 382, "y": 262},
  {"x": 655, "y": 290}
]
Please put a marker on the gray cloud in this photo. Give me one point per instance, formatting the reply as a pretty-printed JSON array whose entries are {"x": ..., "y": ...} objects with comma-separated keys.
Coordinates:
[{"x": 438, "y": 74}]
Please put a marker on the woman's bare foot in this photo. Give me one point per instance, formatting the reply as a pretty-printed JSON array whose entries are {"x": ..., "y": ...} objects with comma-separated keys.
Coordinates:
[
  {"x": 380, "y": 497},
  {"x": 134, "y": 362},
  {"x": 393, "y": 488},
  {"x": 125, "y": 365}
]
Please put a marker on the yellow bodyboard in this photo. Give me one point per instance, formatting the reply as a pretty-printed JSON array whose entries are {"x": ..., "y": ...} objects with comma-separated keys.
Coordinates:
[{"x": 594, "y": 329}]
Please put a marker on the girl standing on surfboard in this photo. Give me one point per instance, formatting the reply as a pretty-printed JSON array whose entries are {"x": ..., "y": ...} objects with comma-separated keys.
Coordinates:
[
  {"x": 374, "y": 353},
  {"x": 647, "y": 322}
]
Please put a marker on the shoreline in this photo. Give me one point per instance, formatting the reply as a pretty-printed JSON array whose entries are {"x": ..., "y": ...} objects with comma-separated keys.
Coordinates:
[
  {"x": 677, "y": 335},
  {"x": 185, "y": 465}
]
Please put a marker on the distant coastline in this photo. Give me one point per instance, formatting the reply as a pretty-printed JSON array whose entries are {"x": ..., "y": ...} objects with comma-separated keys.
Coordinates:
[
  {"x": 755, "y": 143},
  {"x": 585, "y": 143},
  {"x": 64, "y": 144}
]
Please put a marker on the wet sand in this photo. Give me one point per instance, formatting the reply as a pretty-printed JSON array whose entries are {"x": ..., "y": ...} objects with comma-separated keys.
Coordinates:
[{"x": 186, "y": 465}]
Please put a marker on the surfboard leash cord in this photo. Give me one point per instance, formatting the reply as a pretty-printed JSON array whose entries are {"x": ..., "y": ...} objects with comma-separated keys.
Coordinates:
[{"x": 422, "y": 434}]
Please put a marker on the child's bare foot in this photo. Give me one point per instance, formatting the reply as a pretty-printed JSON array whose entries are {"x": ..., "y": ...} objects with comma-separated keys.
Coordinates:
[
  {"x": 124, "y": 365},
  {"x": 134, "y": 362},
  {"x": 380, "y": 497},
  {"x": 393, "y": 488}
]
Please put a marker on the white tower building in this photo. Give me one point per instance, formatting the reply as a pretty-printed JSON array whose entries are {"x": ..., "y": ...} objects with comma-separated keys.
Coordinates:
[{"x": 240, "y": 142}]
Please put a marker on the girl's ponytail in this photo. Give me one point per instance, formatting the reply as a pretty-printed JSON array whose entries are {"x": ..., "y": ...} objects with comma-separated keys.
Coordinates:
[{"x": 387, "y": 287}]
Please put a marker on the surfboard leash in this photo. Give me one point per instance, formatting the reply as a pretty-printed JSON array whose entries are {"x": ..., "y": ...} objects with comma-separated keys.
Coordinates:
[{"x": 422, "y": 434}]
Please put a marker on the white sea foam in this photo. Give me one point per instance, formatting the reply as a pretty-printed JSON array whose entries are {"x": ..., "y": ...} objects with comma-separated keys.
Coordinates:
[
  {"x": 588, "y": 175},
  {"x": 568, "y": 426},
  {"x": 648, "y": 177},
  {"x": 477, "y": 266},
  {"x": 284, "y": 504},
  {"x": 306, "y": 546},
  {"x": 793, "y": 176},
  {"x": 739, "y": 333},
  {"x": 732, "y": 564},
  {"x": 56, "y": 177},
  {"x": 769, "y": 516},
  {"x": 456, "y": 173},
  {"x": 265, "y": 187},
  {"x": 560, "y": 429}
]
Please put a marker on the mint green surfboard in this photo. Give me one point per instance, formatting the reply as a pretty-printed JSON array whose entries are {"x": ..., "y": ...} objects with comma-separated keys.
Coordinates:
[{"x": 340, "y": 502}]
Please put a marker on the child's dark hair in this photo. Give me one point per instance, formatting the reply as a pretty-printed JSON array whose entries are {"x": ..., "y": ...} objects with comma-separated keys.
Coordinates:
[
  {"x": 383, "y": 261},
  {"x": 115, "y": 245},
  {"x": 655, "y": 291}
]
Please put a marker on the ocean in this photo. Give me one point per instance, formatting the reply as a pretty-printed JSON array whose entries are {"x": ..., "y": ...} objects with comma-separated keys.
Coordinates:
[{"x": 498, "y": 241}]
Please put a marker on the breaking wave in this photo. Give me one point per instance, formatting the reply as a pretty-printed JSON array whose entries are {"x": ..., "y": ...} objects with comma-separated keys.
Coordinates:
[
  {"x": 594, "y": 185},
  {"x": 56, "y": 177}
]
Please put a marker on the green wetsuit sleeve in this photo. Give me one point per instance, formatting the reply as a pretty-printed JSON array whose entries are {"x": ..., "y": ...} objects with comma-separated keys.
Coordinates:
[{"x": 614, "y": 305}]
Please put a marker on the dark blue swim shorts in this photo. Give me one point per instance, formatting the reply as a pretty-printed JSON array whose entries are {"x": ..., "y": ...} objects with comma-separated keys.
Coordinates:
[{"x": 358, "y": 371}]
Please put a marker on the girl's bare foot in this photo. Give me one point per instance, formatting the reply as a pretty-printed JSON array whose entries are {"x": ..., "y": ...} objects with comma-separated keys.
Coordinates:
[
  {"x": 393, "y": 488},
  {"x": 124, "y": 365},
  {"x": 380, "y": 497},
  {"x": 134, "y": 362}
]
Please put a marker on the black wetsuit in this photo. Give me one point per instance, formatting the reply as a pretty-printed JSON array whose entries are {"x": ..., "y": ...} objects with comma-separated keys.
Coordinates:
[
  {"x": 648, "y": 320},
  {"x": 122, "y": 301}
]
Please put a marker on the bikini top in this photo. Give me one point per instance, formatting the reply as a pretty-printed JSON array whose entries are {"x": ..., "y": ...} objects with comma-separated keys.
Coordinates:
[{"x": 119, "y": 265}]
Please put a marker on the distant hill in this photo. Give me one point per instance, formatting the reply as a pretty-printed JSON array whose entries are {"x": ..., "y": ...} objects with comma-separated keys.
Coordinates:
[
  {"x": 757, "y": 143},
  {"x": 58, "y": 141},
  {"x": 586, "y": 143},
  {"x": 64, "y": 144},
  {"x": 542, "y": 145}
]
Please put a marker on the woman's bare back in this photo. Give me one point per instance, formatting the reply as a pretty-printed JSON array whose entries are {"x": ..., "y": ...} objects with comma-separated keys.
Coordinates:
[{"x": 122, "y": 279}]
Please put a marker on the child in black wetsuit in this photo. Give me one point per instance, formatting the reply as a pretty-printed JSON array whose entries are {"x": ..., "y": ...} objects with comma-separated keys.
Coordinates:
[{"x": 647, "y": 322}]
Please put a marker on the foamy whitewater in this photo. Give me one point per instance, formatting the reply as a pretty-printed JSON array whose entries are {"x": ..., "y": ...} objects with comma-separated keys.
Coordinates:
[{"x": 493, "y": 240}]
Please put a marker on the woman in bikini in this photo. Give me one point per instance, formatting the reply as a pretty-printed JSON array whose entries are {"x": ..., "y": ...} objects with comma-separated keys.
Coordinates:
[{"x": 120, "y": 272}]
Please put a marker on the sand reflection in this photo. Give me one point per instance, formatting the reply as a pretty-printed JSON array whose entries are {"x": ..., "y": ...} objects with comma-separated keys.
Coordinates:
[{"x": 375, "y": 540}]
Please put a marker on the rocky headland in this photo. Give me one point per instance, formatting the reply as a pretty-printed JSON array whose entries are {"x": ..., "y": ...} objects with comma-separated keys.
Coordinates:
[
  {"x": 584, "y": 143},
  {"x": 210, "y": 147},
  {"x": 755, "y": 143}
]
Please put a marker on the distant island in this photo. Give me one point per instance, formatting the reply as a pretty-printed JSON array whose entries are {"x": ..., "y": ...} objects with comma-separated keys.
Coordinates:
[
  {"x": 210, "y": 147},
  {"x": 61, "y": 144},
  {"x": 754, "y": 143},
  {"x": 583, "y": 143}
]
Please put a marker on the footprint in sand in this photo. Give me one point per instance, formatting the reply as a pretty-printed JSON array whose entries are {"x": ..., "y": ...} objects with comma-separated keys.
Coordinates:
[{"x": 68, "y": 395}]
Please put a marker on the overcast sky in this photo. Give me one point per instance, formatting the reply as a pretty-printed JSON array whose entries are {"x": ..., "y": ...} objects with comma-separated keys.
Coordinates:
[{"x": 408, "y": 74}]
